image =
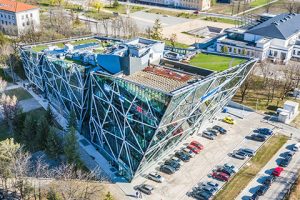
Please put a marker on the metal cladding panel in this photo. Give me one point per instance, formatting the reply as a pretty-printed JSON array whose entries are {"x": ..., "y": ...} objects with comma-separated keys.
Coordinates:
[{"x": 110, "y": 63}]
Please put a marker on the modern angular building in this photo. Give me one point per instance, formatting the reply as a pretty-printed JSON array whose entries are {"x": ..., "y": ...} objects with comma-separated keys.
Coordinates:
[{"x": 132, "y": 105}]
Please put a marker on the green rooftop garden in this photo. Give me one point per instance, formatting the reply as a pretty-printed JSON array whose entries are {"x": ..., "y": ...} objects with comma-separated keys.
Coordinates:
[{"x": 215, "y": 62}]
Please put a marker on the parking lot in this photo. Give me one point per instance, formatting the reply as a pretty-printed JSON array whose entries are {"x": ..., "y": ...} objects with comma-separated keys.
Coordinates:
[
  {"x": 280, "y": 185},
  {"x": 177, "y": 185}
]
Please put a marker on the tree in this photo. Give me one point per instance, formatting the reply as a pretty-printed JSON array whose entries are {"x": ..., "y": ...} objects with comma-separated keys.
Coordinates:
[
  {"x": 108, "y": 196},
  {"x": 225, "y": 49},
  {"x": 53, "y": 195},
  {"x": 42, "y": 131},
  {"x": 98, "y": 5},
  {"x": 246, "y": 86},
  {"x": 29, "y": 131},
  {"x": 50, "y": 116},
  {"x": 11, "y": 109},
  {"x": 71, "y": 147},
  {"x": 156, "y": 32},
  {"x": 72, "y": 121},
  {"x": 54, "y": 143},
  {"x": 116, "y": 3},
  {"x": 3, "y": 85},
  {"x": 173, "y": 39}
]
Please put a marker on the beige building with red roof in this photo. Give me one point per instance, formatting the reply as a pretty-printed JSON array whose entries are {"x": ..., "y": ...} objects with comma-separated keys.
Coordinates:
[{"x": 17, "y": 17}]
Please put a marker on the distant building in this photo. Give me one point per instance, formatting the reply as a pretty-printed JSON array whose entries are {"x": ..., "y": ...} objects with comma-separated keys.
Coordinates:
[
  {"x": 17, "y": 17},
  {"x": 274, "y": 37},
  {"x": 189, "y": 4}
]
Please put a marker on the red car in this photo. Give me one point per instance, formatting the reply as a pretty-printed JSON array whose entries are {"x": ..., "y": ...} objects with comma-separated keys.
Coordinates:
[
  {"x": 197, "y": 144},
  {"x": 193, "y": 148},
  {"x": 277, "y": 171},
  {"x": 220, "y": 176}
]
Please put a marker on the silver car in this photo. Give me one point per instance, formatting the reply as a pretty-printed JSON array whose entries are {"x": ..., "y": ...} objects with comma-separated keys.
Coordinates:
[
  {"x": 239, "y": 155},
  {"x": 154, "y": 176},
  {"x": 208, "y": 135}
]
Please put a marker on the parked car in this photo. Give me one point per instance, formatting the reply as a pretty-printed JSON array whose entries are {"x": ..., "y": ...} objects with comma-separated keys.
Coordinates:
[
  {"x": 232, "y": 167},
  {"x": 189, "y": 152},
  {"x": 228, "y": 120},
  {"x": 201, "y": 195},
  {"x": 193, "y": 148},
  {"x": 182, "y": 156},
  {"x": 262, "y": 190},
  {"x": 225, "y": 170},
  {"x": 196, "y": 12},
  {"x": 154, "y": 176},
  {"x": 249, "y": 152},
  {"x": 296, "y": 147},
  {"x": 289, "y": 154},
  {"x": 277, "y": 171},
  {"x": 176, "y": 159},
  {"x": 254, "y": 196},
  {"x": 145, "y": 188},
  {"x": 264, "y": 131},
  {"x": 257, "y": 137},
  {"x": 239, "y": 155},
  {"x": 269, "y": 180},
  {"x": 213, "y": 131},
  {"x": 285, "y": 162},
  {"x": 220, "y": 176},
  {"x": 167, "y": 169},
  {"x": 197, "y": 144},
  {"x": 208, "y": 135},
  {"x": 220, "y": 129},
  {"x": 210, "y": 183},
  {"x": 173, "y": 164},
  {"x": 210, "y": 189}
]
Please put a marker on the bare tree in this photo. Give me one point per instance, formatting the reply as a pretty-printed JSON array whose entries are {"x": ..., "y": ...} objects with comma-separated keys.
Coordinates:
[{"x": 244, "y": 89}]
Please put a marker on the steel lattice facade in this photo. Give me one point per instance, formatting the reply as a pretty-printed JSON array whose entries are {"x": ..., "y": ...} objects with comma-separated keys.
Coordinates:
[{"x": 131, "y": 124}]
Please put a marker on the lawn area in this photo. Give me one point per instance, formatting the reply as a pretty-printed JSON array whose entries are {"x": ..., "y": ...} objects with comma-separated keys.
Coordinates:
[
  {"x": 121, "y": 9},
  {"x": 248, "y": 172},
  {"x": 258, "y": 3},
  {"x": 20, "y": 93},
  {"x": 214, "y": 62},
  {"x": 98, "y": 15},
  {"x": 4, "y": 76},
  {"x": 256, "y": 98},
  {"x": 222, "y": 20},
  {"x": 177, "y": 44},
  {"x": 39, "y": 48},
  {"x": 78, "y": 42},
  {"x": 173, "y": 13}
]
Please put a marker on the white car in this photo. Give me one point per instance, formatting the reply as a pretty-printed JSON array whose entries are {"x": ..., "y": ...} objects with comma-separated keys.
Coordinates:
[
  {"x": 296, "y": 147},
  {"x": 154, "y": 176},
  {"x": 190, "y": 152}
]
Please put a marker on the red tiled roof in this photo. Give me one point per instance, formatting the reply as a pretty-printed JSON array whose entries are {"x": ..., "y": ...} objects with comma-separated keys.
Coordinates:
[{"x": 14, "y": 6}]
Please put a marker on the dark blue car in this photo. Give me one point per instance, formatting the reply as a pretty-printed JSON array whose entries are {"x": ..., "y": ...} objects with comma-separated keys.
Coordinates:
[{"x": 264, "y": 131}]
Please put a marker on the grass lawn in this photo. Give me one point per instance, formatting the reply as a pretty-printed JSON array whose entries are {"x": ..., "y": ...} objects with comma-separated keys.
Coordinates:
[
  {"x": 20, "y": 93},
  {"x": 4, "y": 76},
  {"x": 39, "y": 48},
  {"x": 222, "y": 20},
  {"x": 177, "y": 44},
  {"x": 248, "y": 172},
  {"x": 122, "y": 8},
  {"x": 214, "y": 62},
  {"x": 173, "y": 13},
  {"x": 258, "y": 3},
  {"x": 85, "y": 41},
  {"x": 98, "y": 15}
]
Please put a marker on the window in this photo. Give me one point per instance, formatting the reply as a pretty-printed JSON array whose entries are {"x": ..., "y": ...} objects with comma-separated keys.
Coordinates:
[
  {"x": 23, "y": 24},
  {"x": 8, "y": 16},
  {"x": 2, "y": 21},
  {"x": 28, "y": 23},
  {"x": 1, "y": 15},
  {"x": 275, "y": 53},
  {"x": 26, "y": 15},
  {"x": 298, "y": 53},
  {"x": 6, "y": 22},
  {"x": 30, "y": 14},
  {"x": 13, "y": 17}
]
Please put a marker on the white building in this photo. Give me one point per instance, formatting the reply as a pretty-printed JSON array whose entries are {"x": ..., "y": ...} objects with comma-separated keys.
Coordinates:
[
  {"x": 187, "y": 4},
  {"x": 17, "y": 17},
  {"x": 277, "y": 38},
  {"x": 289, "y": 112}
]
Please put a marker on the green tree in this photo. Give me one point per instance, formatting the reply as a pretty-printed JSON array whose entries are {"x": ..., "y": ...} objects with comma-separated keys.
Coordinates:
[
  {"x": 50, "y": 117},
  {"x": 72, "y": 121},
  {"x": 116, "y": 3},
  {"x": 18, "y": 126},
  {"x": 29, "y": 131},
  {"x": 108, "y": 196},
  {"x": 173, "y": 39},
  {"x": 156, "y": 32},
  {"x": 42, "y": 130},
  {"x": 53, "y": 195},
  {"x": 54, "y": 143},
  {"x": 71, "y": 147}
]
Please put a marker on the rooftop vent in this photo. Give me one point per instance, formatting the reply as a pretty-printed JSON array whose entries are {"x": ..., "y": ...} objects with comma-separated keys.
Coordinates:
[{"x": 275, "y": 23}]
